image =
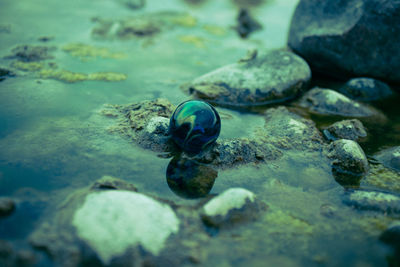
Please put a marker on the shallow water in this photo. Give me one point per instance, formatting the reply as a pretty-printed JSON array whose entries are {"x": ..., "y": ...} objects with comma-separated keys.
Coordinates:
[{"x": 54, "y": 140}]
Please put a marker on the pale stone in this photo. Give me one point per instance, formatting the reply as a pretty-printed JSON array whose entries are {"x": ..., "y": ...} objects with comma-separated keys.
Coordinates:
[{"x": 113, "y": 221}]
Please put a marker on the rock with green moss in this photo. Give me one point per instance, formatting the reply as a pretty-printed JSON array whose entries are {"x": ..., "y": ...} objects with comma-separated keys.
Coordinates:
[
  {"x": 366, "y": 89},
  {"x": 328, "y": 102},
  {"x": 7, "y": 206},
  {"x": 374, "y": 200},
  {"x": 346, "y": 129},
  {"x": 72, "y": 77},
  {"x": 261, "y": 78}
]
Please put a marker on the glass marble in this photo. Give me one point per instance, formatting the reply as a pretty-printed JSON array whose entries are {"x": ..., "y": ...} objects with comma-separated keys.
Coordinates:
[{"x": 194, "y": 125}]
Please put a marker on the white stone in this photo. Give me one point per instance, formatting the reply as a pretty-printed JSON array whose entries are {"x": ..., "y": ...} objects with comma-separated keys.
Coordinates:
[
  {"x": 332, "y": 97},
  {"x": 353, "y": 148},
  {"x": 233, "y": 198},
  {"x": 112, "y": 221},
  {"x": 297, "y": 126},
  {"x": 375, "y": 196},
  {"x": 156, "y": 122}
]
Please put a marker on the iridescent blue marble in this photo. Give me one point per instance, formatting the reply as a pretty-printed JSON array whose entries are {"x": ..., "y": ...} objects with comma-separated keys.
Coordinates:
[{"x": 194, "y": 125}]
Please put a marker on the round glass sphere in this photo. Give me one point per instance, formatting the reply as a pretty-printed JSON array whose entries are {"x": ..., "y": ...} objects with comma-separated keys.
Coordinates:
[{"x": 194, "y": 125}]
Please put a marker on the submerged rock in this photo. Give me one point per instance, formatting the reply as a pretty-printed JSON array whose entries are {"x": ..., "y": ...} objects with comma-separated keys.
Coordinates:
[
  {"x": 4, "y": 74},
  {"x": 349, "y": 162},
  {"x": 271, "y": 77},
  {"x": 72, "y": 77},
  {"x": 31, "y": 53},
  {"x": 346, "y": 129},
  {"x": 111, "y": 222},
  {"x": 230, "y": 207},
  {"x": 374, "y": 200},
  {"x": 141, "y": 26},
  {"x": 357, "y": 37},
  {"x": 390, "y": 157},
  {"x": 329, "y": 102},
  {"x": 366, "y": 89},
  {"x": 7, "y": 206},
  {"x": 391, "y": 235}
]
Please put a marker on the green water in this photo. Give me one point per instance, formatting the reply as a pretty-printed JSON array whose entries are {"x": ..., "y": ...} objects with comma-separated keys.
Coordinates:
[{"x": 54, "y": 140}]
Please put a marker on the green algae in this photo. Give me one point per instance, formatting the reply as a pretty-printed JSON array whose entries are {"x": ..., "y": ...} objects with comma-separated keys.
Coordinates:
[
  {"x": 89, "y": 52},
  {"x": 72, "y": 77}
]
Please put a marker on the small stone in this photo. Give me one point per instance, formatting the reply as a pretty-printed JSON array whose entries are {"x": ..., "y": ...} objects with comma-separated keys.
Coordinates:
[
  {"x": 109, "y": 182},
  {"x": 349, "y": 162},
  {"x": 374, "y": 200},
  {"x": 329, "y": 102},
  {"x": 230, "y": 207},
  {"x": 113, "y": 221},
  {"x": 4, "y": 74},
  {"x": 366, "y": 89},
  {"x": 133, "y": 4},
  {"x": 390, "y": 158},
  {"x": 346, "y": 129},
  {"x": 391, "y": 235},
  {"x": 7, "y": 206},
  {"x": 265, "y": 78}
]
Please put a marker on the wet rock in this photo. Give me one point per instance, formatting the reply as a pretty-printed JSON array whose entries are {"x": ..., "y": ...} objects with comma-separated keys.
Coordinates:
[
  {"x": 4, "y": 74},
  {"x": 374, "y": 200},
  {"x": 112, "y": 221},
  {"x": 25, "y": 258},
  {"x": 109, "y": 182},
  {"x": 382, "y": 178},
  {"x": 7, "y": 206},
  {"x": 31, "y": 53},
  {"x": 390, "y": 157},
  {"x": 230, "y": 207},
  {"x": 357, "y": 37},
  {"x": 264, "y": 78},
  {"x": 287, "y": 130},
  {"x": 6, "y": 254},
  {"x": 366, "y": 89},
  {"x": 144, "y": 122},
  {"x": 346, "y": 129},
  {"x": 329, "y": 102},
  {"x": 246, "y": 24},
  {"x": 133, "y": 4},
  {"x": 349, "y": 162}
]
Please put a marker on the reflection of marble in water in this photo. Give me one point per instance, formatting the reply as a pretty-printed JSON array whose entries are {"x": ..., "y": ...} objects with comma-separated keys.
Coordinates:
[{"x": 190, "y": 179}]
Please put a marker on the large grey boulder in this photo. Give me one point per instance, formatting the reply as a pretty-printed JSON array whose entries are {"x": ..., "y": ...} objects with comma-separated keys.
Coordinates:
[
  {"x": 261, "y": 78},
  {"x": 348, "y": 38}
]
